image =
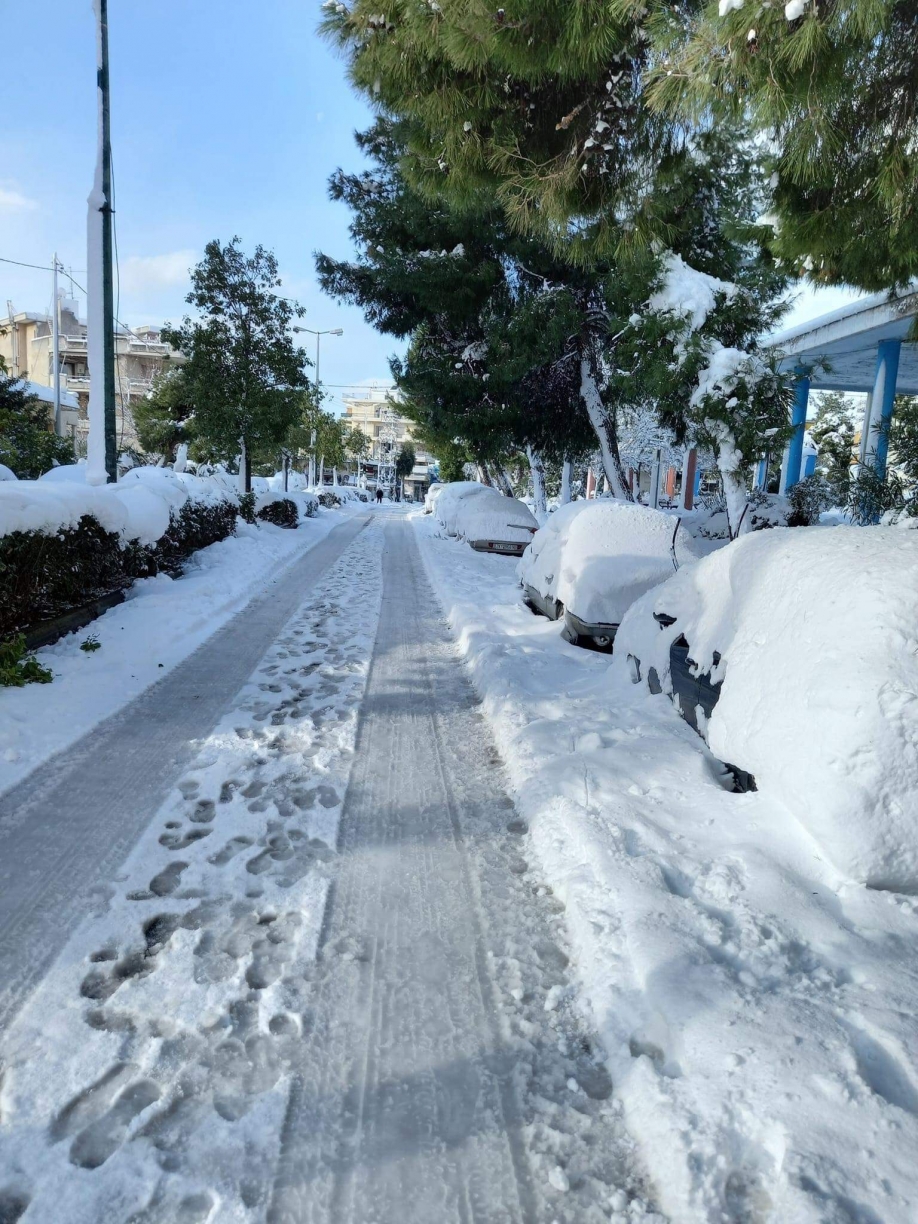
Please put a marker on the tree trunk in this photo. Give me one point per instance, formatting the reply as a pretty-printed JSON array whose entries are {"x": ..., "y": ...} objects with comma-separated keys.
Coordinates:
[
  {"x": 502, "y": 480},
  {"x": 322, "y": 472},
  {"x": 604, "y": 427},
  {"x": 537, "y": 467},
  {"x": 567, "y": 472},
  {"x": 484, "y": 476},
  {"x": 729, "y": 463},
  {"x": 244, "y": 481}
]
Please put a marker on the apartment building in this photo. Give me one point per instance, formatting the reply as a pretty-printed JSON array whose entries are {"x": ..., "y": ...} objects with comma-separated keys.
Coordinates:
[{"x": 140, "y": 354}]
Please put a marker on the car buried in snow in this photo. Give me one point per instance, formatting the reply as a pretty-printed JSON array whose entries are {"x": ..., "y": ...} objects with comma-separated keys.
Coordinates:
[
  {"x": 593, "y": 559},
  {"x": 792, "y": 652},
  {"x": 488, "y": 521}
]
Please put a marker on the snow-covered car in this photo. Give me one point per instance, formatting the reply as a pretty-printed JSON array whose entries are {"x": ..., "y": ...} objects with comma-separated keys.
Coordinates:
[
  {"x": 807, "y": 639},
  {"x": 593, "y": 559},
  {"x": 430, "y": 497},
  {"x": 486, "y": 519}
]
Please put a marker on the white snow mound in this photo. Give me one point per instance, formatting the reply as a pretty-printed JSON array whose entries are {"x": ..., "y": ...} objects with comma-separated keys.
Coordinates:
[
  {"x": 598, "y": 557},
  {"x": 819, "y": 660},
  {"x": 138, "y": 507}
]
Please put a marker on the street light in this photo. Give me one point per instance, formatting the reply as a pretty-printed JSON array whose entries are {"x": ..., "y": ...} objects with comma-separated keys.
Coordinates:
[{"x": 334, "y": 331}]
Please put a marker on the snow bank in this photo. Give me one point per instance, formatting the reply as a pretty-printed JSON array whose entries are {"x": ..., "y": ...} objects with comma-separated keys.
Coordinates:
[
  {"x": 139, "y": 507},
  {"x": 819, "y": 647},
  {"x": 756, "y": 1007},
  {"x": 7, "y": 473},
  {"x": 598, "y": 557}
]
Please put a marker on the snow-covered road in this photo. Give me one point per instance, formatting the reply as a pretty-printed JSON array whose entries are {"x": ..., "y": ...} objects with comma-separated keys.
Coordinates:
[{"x": 326, "y": 983}]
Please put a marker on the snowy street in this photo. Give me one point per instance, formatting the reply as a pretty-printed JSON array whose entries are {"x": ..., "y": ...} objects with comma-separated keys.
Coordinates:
[{"x": 310, "y": 973}]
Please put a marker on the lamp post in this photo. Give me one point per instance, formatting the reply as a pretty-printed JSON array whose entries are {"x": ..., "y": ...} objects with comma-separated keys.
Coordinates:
[{"x": 333, "y": 331}]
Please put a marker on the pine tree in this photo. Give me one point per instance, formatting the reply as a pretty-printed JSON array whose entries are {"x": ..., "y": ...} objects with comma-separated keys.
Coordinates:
[
  {"x": 480, "y": 365},
  {"x": 244, "y": 373},
  {"x": 834, "y": 88},
  {"x": 28, "y": 445},
  {"x": 538, "y": 102}
]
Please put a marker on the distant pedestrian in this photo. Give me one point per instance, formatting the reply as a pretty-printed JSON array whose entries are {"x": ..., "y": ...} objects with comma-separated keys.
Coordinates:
[{"x": 378, "y": 496}]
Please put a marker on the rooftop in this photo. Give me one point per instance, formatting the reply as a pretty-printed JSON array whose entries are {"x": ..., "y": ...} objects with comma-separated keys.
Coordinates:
[{"x": 846, "y": 342}]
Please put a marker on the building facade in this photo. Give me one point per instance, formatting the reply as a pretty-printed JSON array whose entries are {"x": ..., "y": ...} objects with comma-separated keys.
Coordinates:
[
  {"x": 26, "y": 348},
  {"x": 375, "y": 413}
]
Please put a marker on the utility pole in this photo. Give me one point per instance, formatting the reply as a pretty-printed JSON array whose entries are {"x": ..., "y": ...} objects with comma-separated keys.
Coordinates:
[
  {"x": 56, "y": 349},
  {"x": 108, "y": 284},
  {"x": 103, "y": 453}
]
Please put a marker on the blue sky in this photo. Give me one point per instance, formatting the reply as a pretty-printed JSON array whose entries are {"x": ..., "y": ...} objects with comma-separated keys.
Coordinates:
[{"x": 227, "y": 119}]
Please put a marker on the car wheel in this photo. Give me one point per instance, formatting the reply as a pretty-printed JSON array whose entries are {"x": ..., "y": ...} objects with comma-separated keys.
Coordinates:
[{"x": 602, "y": 641}]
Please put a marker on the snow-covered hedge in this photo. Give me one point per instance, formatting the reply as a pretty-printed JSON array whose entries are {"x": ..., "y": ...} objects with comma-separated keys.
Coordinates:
[
  {"x": 818, "y": 646},
  {"x": 271, "y": 507},
  {"x": 597, "y": 557},
  {"x": 64, "y": 543},
  {"x": 277, "y": 509}
]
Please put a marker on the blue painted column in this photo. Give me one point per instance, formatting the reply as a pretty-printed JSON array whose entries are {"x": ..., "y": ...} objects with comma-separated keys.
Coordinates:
[
  {"x": 760, "y": 474},
  {"x": 798, "y": 420},
  {"x": 884, "y": 393}
]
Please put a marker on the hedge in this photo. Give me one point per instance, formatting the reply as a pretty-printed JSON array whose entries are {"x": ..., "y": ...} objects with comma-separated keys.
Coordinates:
[
  {"x": 44, "y": 575},
  {"x": 282, "y": 511}
]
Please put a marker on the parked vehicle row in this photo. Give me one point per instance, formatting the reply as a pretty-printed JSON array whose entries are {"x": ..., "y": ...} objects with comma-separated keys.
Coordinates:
[{"x": 593, "y": 559}]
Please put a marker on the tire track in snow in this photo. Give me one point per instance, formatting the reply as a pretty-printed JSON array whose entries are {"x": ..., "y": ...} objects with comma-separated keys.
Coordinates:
[{"x": 446, "y": 1076}]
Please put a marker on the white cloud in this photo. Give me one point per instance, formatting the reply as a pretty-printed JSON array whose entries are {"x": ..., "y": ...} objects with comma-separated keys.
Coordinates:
[
  {"x": 142, "y": 273},
  {"x": 15, "y": 201}
]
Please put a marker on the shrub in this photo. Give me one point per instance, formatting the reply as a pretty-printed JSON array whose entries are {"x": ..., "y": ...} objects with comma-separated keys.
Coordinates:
[
  {"x": 328, "y": 499},
  {"x": 42, "y": 576},
  {"x": 281, "y": 511},
  {"x": 247, "y": 507},
  {"x": 19, "y": 667},
  {"x": 808, "y": 498},
  {"x": 194, "y": 526}
]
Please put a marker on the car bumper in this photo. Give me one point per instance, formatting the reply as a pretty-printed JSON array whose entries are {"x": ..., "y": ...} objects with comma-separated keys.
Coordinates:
[
  {"x": 601, "y": 635},
  {"x": 503, "y": 548},
  {"x": 543, "y": 604}
]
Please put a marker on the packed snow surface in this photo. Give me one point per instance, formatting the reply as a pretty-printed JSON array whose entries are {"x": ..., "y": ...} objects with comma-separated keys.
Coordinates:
[
  {"x": 757, "y": 1005},
  {"x": 818, "y": 641},
  {"x": 598, "y": 557}
]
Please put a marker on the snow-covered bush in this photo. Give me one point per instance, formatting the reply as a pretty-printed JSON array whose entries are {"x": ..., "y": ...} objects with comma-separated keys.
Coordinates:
[
  {"x": 762, "y": 510},
  {"x": 815, "y": 635},
  {"x": 64, "y": 543},
  {"x": 597, "y": 557},
  {"x": 279, "y": 510},
  {"x": 329, "y": 498}
]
